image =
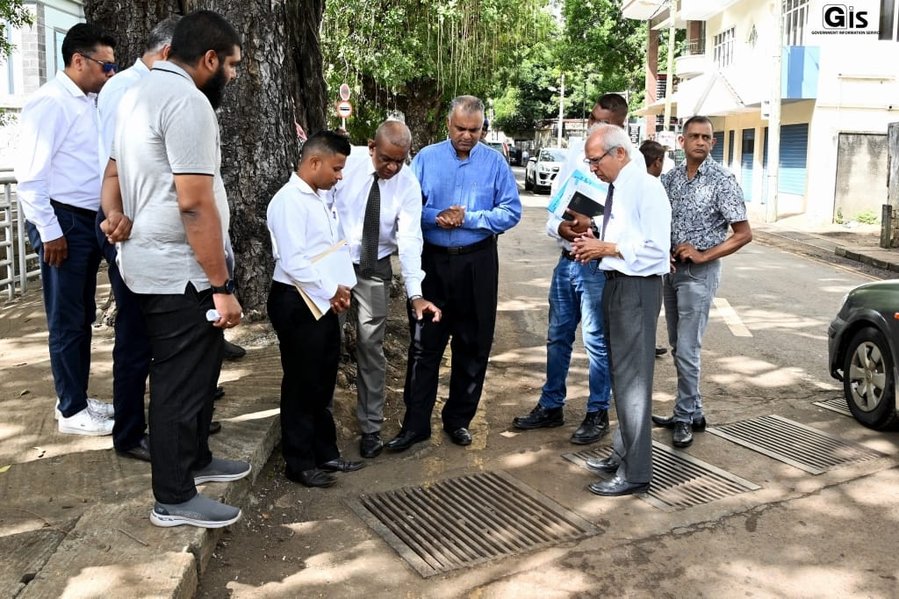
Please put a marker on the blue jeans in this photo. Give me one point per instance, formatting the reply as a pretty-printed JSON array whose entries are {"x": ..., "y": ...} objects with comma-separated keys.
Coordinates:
[
  {"x": 575, "y": 297},
  {"x": 69, "y": 302},
  {"x": 688, "y": 294}
]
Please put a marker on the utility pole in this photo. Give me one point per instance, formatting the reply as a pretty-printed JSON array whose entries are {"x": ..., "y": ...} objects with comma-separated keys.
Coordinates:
[
  {"x": 669, "y": 84},
  {"x": 774, "y": 116},
  {"x": 561, "y": 109}
]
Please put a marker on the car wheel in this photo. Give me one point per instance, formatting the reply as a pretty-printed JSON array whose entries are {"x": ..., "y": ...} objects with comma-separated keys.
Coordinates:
[
  {"x": 868, "y": 380},
  {"x": 527, "y": 183}
]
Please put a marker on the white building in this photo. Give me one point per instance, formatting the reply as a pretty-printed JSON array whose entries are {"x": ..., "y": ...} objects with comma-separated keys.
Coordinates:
[{"x": 839, "y": 92}]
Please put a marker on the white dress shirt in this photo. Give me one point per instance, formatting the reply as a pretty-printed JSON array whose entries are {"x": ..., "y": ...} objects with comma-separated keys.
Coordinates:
[
  {"x": 400, "y": 214},
  {"x": 302, "y": 226},
  {"x": 640, "y": 224},
  {"x": 58, "y": 153},
  {"x": 108, "y": 104}
]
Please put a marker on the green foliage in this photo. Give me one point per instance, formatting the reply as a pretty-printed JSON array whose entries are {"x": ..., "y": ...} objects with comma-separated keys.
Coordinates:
[
  {"x": 867, "y": 217},
  {"x": 13, "y": 15}
]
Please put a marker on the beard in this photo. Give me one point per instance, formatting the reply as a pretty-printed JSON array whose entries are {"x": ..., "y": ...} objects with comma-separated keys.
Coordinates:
[{"x": 214, "y": 88}]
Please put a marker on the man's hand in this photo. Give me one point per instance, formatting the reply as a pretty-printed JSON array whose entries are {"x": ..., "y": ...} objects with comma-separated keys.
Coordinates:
[
  {"x": 570, "y": 229},
  {"x": 586, "y": 248},
  {"x": 229, "y": 310},
  {"x": 451, "y": 218},
  {"x": 117, "y": 227},
  {"x": 341, "y": 300},
  {"x": 56, "y": 251},
  {"x": 687, "y": 252},
  {"x": 421, "y": 306}
]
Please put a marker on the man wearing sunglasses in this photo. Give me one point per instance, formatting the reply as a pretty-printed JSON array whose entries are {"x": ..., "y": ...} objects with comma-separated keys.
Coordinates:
[{"x": 59, "y": 191}]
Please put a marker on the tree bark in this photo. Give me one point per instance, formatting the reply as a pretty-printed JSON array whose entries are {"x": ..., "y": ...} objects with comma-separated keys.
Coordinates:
[{"x": 279, "y": 81}]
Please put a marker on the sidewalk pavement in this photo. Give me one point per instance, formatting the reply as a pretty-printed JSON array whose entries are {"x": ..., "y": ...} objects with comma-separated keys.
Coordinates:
[{"x": 74, "y": 516}]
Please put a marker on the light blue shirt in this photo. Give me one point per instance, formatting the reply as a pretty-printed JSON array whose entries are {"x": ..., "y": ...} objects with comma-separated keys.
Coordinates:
[{"x": 483, "y": 183}]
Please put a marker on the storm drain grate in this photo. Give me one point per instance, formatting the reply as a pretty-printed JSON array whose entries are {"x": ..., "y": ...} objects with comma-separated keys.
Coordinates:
[
  {"x": 678, "y": 480},
  {"x": 836, "y": 404},
  {"x": 804, "y": 447},
  {"x": 466, "y": 521}
]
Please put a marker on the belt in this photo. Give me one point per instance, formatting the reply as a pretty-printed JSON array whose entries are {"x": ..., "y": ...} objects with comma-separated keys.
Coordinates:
[
  {"x": 567, "y": 255},
  {"x": 75, "y": 209},
  {"x": 614, "y": 274},
  {"x": 462, "y": 249}
]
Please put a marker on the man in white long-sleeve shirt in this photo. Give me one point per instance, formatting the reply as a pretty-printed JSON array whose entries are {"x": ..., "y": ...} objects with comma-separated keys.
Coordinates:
[
  {"x": 59, "y": 192},
  {"x": 379, "y": 204}
]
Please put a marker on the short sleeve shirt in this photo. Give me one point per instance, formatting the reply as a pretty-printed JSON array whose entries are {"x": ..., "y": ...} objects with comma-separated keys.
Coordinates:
[
  {"x": 166, "y": 127},
  {"x": 703, "y": 208}
]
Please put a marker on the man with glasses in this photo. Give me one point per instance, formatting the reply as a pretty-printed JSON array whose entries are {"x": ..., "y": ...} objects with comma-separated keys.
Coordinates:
[
  {"x": 379, "y": 205},
  {"x": 575, "y": 297},
  {"x": 59, "y": 191},
  {"x": 632, "y": 250}
]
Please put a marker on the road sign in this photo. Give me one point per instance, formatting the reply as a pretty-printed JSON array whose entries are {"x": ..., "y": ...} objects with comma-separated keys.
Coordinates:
[
  {"x": 344, "y": 109},
  {"x": 344, "y": 92}
]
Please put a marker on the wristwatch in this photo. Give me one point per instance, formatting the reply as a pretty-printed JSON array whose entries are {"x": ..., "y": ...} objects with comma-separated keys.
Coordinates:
[{"x": 227, "y": 287}]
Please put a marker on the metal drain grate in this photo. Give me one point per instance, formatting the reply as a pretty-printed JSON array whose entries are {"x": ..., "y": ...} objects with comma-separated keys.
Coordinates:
[
  {"x": 678, "y": 480},
  {"x": 804, "y": 447},
  {"x": 836, "y": 404},
  {"x": 466, "y": 521}
]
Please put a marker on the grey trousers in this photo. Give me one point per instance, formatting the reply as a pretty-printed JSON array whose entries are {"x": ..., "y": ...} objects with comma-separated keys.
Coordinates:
[
  {"x": 372, "y": 296},
  {"x": 631, "y": 309}
]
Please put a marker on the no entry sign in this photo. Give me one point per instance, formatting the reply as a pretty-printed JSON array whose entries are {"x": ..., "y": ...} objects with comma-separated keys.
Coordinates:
[{"x": 344, "y": 109}]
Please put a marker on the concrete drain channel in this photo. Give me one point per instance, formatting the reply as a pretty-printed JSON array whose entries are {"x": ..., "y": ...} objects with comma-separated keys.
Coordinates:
[
  {"x": 801, "y": 446},
  {"x": 679, "y": 481},
  {"x": 836, "y": 404},
  {"x": 465, "y": 521}
]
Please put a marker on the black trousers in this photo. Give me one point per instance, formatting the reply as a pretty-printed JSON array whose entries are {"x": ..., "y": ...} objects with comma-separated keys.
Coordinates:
[
  {"x": 464, "y": 287},
  {"x": 187, "y": 356},
  {"x": 310, "y": 353}
]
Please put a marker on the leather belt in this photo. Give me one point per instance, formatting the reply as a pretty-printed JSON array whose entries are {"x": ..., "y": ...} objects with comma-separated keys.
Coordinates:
[
  {"x": 614, "y": 274},
  {"x": 462, "y": 249},
  {"x": 75, "y": 209},
  {"x": 567, "y": 255}
]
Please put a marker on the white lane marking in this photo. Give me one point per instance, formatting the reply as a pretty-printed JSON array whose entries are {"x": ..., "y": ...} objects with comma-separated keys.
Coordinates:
[{"x": 731, "y": 319}]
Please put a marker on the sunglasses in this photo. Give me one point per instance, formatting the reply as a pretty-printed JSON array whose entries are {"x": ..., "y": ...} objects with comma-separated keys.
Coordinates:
[{"x": 108, "y": 67}]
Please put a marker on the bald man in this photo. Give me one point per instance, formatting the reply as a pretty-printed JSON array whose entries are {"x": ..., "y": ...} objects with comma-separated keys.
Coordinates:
[{"x": 379, "y": 205}]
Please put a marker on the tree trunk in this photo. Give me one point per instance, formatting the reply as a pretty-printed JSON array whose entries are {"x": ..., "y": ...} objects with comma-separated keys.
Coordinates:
[{"x": 278, "y": 81}]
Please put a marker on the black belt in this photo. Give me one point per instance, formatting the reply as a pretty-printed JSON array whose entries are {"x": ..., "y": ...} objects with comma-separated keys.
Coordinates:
[
  {"x": 462, "y": 249},
  {"x": 75, "y": 209},
  {"x": 567, "y": 255},
  {"x": 614, "y": 274}
]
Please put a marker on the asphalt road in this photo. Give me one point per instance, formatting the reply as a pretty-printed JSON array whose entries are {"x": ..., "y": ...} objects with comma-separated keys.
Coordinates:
[{"x": 797, "y": 535}]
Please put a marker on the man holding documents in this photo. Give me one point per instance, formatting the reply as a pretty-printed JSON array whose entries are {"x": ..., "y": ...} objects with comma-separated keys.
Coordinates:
[
  {"x": 379, "y": 205},
  {"x": 575, "y": 295},
  {"x": 310, "y": 286}
]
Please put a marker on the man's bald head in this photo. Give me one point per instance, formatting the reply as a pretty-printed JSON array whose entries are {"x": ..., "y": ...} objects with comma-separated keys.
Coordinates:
[
  {"x": 390, "y": 148},
  {"x": 395, "y": 133}
]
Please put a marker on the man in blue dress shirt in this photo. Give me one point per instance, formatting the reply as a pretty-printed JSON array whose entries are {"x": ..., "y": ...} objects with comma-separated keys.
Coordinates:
[{"x": 469, "y": 196}]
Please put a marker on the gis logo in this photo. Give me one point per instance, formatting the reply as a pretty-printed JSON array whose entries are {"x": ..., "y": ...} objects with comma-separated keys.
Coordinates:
[{"x": 842, "y": 16}]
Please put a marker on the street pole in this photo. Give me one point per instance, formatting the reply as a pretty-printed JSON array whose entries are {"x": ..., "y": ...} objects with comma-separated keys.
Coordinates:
[
  {"x": 561, "y": 109},
  {"x": 669, "y": 82},
  {"x": 774, "y": 117}
]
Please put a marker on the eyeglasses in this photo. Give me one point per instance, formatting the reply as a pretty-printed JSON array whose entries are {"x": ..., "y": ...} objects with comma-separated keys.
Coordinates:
[
  {"x": 596, "y": 161},
  {"x": 108, "y": 67}
]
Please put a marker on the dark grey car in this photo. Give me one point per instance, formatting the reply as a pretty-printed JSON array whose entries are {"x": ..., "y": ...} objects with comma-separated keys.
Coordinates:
[{"x": 862, "y": 350}]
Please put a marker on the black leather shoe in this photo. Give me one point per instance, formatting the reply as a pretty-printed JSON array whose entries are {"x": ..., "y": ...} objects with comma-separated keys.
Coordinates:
[
  {"x": 341, "y": 465},
  {"x": 661, "y": 351},
  {"x": 594, "y": 426},
  {"x": 682, "y": 436},
  {"x": 698, "y": 425},
  {"x": 234, "y": 351},
  {"x": 405, "y": 440},
  {"x": 370, "y": 445},
  {"x": 218, "y": 393},
  {"x": 604, "y": 466},
  {"x": 460, "y": 436},
  {"x": 540, "y": 417},
  {"x": 141, "y": 451},
  {"x": 311, "y": 478},
  {"x": 617, "y": 486},
  {"x": 215, "y": 427}
]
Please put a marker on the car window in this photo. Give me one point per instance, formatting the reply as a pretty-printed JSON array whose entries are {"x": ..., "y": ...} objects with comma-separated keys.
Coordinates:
[{"x": 552, "y": 156}]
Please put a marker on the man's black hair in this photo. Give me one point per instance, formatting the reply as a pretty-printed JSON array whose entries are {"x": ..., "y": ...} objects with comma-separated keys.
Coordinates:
[
  {"x": 698, "y": 119},
  {"x": 652, "y": 151},
  {"x": 161, "y": 34},
  {"x": 326, "y": 142},
  {"x": 200, "y": 32},
  {"x": 84, "y": 38},
  {"x": 614, "y": 103}
]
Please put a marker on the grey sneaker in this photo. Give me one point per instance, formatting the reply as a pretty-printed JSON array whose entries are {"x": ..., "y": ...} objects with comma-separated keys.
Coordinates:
[
  {"x": 199, "y": 511},
  {"x": 222, "y": 471}
]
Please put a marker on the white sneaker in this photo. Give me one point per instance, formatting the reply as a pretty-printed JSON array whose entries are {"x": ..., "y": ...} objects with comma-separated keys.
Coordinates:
[
  {"x": 100, "y": 408},
  {"x": 86, "y": 422}
]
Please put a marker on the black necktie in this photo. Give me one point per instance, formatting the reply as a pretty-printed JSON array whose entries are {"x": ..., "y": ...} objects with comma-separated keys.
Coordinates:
[
  {"x": 607, "y": 211},
  {"x": 371, "y": 230}
]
